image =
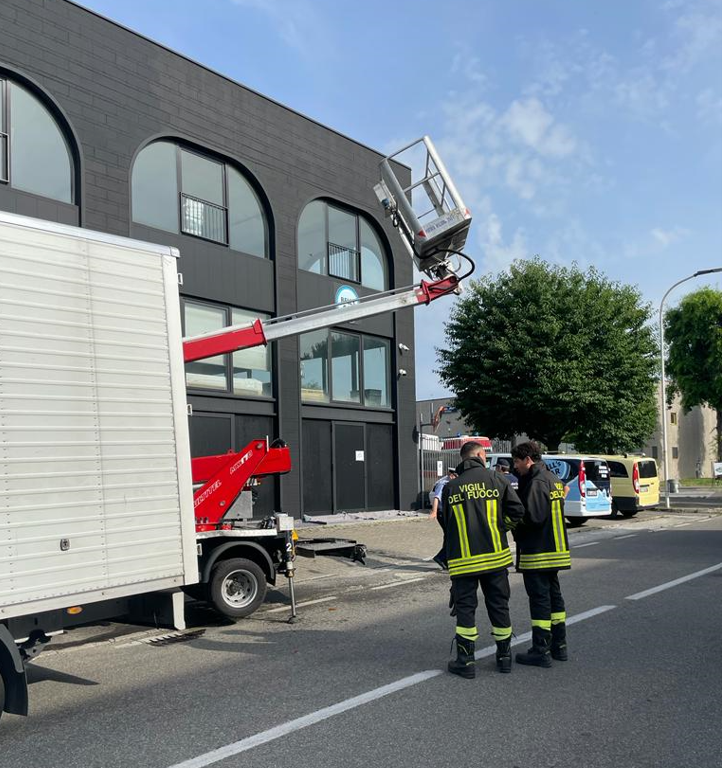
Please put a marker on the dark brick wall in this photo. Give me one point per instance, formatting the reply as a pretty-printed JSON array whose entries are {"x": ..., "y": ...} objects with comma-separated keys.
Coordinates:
[{"x": 118, "y": 91}]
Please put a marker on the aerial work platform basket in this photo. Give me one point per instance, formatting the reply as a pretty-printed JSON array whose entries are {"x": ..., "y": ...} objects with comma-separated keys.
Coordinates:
[{"x": 429, "y": 212}]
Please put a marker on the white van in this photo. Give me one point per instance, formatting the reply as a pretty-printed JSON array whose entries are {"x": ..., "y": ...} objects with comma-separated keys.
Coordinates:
[{"x": 586, "y": 480}]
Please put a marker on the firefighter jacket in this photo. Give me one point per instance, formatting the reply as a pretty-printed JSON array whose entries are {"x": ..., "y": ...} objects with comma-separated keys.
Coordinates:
[
  {"x": 541, "y": 538},
  {"x": 477, "y": 509}
]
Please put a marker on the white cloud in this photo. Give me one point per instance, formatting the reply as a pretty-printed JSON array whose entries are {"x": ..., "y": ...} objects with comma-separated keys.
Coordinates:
[
  {"x": 498, "y": 254},
  {"x": 709, "y": 107},
  {"x": 667, "y": 237},
  {"x": 531, "y": 124},
  {"x": 297, "y": 22},
  {"x": 698, "y": 30}
]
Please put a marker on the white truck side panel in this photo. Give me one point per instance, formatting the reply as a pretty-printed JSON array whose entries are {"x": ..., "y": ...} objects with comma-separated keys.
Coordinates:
[{"x": 96, "y": 498}]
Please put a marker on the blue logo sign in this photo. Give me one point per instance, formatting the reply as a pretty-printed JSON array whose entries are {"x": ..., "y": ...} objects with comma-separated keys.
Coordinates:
[{"x": 345, "y": 294}]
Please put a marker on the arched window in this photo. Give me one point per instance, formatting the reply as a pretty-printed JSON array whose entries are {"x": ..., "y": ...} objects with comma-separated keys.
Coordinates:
[
  {"x": 34, "y": 153},
  {"x": 180, "y": 189},
  {"x": 340, "y": 243}
]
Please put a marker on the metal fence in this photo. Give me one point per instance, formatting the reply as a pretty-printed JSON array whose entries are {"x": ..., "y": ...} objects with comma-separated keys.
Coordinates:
[
  {"x": 435, "y": 462},
  {"x": 203, "y": 219},
  {"x": 343, "y": 262}
]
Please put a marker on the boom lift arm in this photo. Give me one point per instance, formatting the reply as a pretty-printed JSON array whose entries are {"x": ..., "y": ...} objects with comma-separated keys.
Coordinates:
[
  {"x": 433, "y": 237},
  {"x": 223, "y": 478}
]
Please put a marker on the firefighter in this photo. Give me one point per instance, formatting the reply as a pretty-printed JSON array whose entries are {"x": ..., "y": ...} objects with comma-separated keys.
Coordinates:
[
  {"x": 477, "y": 509},
  {"x": 542, "y": 550}
]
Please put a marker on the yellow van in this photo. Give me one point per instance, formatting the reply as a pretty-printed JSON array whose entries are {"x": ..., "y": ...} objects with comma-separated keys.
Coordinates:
[{"x": 635, "y": 483}]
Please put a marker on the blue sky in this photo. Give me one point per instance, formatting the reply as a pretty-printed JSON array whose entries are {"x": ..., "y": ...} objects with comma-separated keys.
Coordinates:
[{"x": 579, "y": 131}]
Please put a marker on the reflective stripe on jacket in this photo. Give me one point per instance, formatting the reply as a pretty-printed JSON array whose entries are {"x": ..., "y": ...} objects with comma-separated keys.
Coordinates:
[
  {"x": 478, "y": 508},
  {"x": 541, "y": 538}
]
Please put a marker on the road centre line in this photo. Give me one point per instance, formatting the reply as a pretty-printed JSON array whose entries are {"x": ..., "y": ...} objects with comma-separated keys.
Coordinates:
[
  {"x": 398, "y": 583},
  {"x": 670, "y": 584},
  {"x": 250, "y": 742},
  {"x": 299, "y": 605},
  {"x": 628, "y": 536},
  {"x": 589, "y": 544}
]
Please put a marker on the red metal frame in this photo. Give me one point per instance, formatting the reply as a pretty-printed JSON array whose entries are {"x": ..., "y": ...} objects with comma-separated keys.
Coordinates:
[{"x": 226, "y": 475}]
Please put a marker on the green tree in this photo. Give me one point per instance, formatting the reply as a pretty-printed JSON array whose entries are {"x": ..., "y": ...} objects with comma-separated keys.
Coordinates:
[
  {"x": 693, "y": 332},
  {"x": 554, "y": 352}
]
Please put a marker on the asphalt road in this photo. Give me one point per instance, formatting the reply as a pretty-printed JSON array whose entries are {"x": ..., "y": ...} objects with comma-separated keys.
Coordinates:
[{"x": 359, "y": 681}]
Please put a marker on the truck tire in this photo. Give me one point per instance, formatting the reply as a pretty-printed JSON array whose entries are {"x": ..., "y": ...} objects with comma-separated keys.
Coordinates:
[
  {"x": 237, "y": 587},
  {"x": 2, "y": 695},
  {"x": 576, "y": 522}
]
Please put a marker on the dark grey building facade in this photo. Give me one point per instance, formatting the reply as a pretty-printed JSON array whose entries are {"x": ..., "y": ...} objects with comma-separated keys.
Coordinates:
[{"x": 272, "y": 213}]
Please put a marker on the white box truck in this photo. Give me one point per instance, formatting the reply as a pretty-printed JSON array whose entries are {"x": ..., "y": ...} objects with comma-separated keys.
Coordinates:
[{"x": 96, "y": 500}]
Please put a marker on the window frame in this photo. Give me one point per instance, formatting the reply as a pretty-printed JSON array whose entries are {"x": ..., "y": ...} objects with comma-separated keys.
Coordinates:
[
  {"x": 4, "y": 134},
  {"x": 229, "y": 390},
  {"x": 358, "y": 217},
  {"x": 179, "y": 149},
  {"x": 6, "y": 130},
  {"x": 332, "y": 402},
  {"x": 225, "y": 163}
]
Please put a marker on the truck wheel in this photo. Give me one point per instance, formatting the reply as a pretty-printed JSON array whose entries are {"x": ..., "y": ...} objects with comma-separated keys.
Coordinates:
[
  {"x": 2, "y": 695},
  {"x": 237, "y": 587},
  {"x": 628, "y": 512},
  {"x": 576, "y": 522}
]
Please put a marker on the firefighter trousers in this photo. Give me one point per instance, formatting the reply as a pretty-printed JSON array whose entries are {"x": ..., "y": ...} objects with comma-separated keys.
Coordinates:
[
  {"x": 495, "y": 587},
  {"x": 546, "y": 603}
]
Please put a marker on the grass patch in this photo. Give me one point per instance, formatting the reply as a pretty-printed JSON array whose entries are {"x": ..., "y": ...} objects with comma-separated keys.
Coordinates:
[{"x": 690, "y": 481}]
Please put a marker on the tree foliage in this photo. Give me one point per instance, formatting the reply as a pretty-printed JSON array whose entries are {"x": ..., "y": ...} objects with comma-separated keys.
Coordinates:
[
  {"x": 693, "y": 331},
  {"x": 556, "y": 353}
]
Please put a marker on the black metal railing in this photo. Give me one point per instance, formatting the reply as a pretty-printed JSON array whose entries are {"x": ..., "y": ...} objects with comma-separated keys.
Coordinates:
[
  {"x": 344, "y": 262},
  {"x": 203, "y": 219}
]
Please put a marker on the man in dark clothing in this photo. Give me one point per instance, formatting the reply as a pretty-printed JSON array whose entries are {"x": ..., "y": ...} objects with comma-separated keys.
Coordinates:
[
  {"x": 477, "y": 510},
  {"x": 542, "y": 550},
  {"x": 504, "y": 466}
]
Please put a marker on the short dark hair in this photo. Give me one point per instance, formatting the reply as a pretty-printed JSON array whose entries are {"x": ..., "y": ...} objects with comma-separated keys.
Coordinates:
[
  {"x": 468, "y": 448},
  {"x": 528, "y": 450}
]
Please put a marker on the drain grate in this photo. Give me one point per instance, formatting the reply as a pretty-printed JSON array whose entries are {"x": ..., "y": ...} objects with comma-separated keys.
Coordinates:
[{"x": 173, "y": 637}]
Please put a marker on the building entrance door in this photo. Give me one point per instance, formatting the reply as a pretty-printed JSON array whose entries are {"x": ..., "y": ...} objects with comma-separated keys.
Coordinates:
[{"x": 349, "y": 453}]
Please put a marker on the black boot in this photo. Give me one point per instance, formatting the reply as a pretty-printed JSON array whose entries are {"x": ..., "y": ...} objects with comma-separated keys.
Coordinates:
[
  {"x": 538, "y": 655},
  {"x": 559, "y": 642},
  {"x": 503, "y": 655},
  {"x": 464, "y": 665}
]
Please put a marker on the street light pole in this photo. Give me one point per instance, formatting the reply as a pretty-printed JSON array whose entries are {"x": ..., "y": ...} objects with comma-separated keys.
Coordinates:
[{"x": 663, "y": 404}]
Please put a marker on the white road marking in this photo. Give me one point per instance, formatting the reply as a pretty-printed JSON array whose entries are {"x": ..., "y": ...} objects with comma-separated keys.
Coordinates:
[
  {"x": 628, "y": 536},
  {"x": 670, "y": 584},
  {"x": 398, "y": 583},
  {"x": 303, "y": 722},
  {"x": 237, "y": 747},
  {"x": 590, "y": 544},
  {"x": 298, "y": 605}
]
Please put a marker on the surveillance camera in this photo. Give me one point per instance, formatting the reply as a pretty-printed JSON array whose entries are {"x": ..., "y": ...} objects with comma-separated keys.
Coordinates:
[
  {"x": 404, "y": 348},
  {"x": 402, "y": 372}
]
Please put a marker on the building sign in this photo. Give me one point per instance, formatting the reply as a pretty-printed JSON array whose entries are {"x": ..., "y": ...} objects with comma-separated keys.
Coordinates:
[
  {"x": 345, "y": 294},
  {"x": 717, "y": 469}
]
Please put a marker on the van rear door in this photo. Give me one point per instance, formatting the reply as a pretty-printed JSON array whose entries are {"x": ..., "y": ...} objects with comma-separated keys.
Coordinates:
[
  {"x": 648, "y": 483},
  {"x": 598, "y": 486}
]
